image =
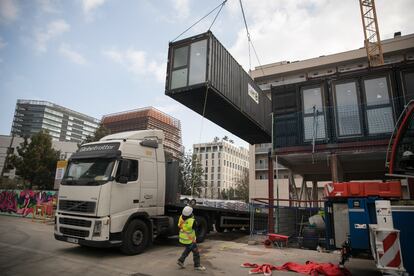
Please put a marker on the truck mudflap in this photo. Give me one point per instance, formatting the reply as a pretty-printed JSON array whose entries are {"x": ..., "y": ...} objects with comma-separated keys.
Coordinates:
[{"x": 90, "y": 243}]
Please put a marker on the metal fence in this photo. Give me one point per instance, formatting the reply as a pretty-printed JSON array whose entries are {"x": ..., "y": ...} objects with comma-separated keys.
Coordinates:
[{"x": 288, "y": 220}]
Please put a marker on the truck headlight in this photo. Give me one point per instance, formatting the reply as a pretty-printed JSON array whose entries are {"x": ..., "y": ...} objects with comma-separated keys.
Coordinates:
[{"x": 97, "y": 228}]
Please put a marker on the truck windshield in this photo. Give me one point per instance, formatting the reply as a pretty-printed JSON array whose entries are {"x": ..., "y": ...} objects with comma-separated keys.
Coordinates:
[{"x": 88, "y": 172}]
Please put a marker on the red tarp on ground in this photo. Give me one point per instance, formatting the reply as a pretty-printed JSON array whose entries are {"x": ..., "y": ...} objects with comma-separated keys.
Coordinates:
[{"x": 309, "y": 268}]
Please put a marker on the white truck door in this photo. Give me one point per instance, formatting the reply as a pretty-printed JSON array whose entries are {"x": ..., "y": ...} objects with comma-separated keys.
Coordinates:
[
  {"x": 149, "y": 187},
  {"x": 125, "y": 196}
]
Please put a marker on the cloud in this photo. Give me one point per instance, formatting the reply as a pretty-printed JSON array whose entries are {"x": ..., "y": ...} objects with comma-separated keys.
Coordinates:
[
  {"x": 2, "y": 43},
  {"x": 9, "y": 11},
  {"x": 182, "y": 8},
  {"x": 136, "y": 62},
  {"x": 48, "y": 6},
  {"x": 90, "y": 5},
  {"x": 301, "y": 29},
  {"x": 66, "y": 51},
  {"x": 53, "y": 30}
]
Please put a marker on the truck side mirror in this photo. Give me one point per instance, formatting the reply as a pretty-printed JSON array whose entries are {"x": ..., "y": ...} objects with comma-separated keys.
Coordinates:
[{"x": 123, "y": 179}]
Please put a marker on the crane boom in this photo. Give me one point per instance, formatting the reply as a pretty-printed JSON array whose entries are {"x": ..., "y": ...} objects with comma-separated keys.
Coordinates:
[{"x": 371, "y": 33}]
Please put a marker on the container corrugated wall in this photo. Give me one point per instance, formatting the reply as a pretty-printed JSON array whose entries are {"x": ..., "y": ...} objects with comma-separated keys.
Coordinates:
[{"x": 234, "y": 101}]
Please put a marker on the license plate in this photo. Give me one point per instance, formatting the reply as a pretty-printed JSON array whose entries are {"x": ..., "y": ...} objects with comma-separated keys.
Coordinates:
[{"x": 72, "y": 240}]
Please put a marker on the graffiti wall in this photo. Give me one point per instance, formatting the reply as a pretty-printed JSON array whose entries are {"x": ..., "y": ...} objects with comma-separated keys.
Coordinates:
[{"x": 23, "y": 202}]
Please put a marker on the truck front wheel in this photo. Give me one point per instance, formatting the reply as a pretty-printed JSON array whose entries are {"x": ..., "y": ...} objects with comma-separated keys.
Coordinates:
[{"x": 135, "y": 238}]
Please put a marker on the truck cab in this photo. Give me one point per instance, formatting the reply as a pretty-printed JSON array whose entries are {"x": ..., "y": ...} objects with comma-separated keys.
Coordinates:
[{"x": 112, "y": 192}]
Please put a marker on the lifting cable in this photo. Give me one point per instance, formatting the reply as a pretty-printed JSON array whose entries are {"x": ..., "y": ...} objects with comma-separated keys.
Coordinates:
[
  {"x": 249, "y": 41},
  {"x": 198, "y": 21}
]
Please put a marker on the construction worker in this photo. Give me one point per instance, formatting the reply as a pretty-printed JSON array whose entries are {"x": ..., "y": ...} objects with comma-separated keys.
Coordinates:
[{"x": 187, "y": 236}]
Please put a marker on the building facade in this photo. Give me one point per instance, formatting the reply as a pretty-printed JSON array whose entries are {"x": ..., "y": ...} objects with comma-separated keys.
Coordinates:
[
  {"x": 62, "y": 123},
  {"x": 334, "y": 115},
  {"x": 148, "y": 118},
  {"x": 9, "y": 144},
  {"x": 224, "y": 165}
]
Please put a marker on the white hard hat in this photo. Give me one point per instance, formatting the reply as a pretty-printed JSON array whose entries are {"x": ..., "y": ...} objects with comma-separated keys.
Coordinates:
[{"x": 187, "y": 211}]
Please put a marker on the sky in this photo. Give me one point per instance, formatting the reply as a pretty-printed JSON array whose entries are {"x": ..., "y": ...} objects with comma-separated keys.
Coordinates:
[{"x": 104, "y": 56}]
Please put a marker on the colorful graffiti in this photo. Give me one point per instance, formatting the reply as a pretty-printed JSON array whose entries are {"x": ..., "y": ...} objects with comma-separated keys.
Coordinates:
[{"x": 23, "y": 202}]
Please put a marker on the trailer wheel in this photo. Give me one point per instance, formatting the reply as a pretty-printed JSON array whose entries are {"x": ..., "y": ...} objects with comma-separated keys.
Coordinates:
[
  {"x": 135, "y": 238},
  {"x": 201, "y": 229}
]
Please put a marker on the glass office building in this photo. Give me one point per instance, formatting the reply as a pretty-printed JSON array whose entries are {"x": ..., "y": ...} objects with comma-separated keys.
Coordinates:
[{"x": 62, "y": 123}]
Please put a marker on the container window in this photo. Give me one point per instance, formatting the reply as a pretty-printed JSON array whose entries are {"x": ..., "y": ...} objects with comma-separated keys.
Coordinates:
[
  {"x": 313, "y": 114},
  {"x": 376, "y": 91},
  {"x": 180, "y": 57},
  {"x": 198, "y": 62},
  {"x": 179, "y": 78},
  {"x": 378, "y": 107},
  {"x": 380, "y": 120},
  {"x": 347, "y": 109}
]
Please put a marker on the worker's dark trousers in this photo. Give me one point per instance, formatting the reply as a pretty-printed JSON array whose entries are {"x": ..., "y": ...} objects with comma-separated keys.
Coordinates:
[{"x": 192, "y": 247}]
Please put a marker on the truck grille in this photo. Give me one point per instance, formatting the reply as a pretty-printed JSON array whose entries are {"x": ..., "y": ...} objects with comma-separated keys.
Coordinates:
[
  {"x": 74, "y": 232},
  {"x": 77, "y": 206},
  {"x": 75, "y": 222}
]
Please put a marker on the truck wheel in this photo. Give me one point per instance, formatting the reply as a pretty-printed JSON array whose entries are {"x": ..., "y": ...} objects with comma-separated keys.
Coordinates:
[
  {"x": 135, "y": 238},
  {"x": 201, "y": 229}
]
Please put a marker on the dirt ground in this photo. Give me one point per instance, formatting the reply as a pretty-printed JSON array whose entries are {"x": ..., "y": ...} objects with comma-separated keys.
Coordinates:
[{"x": 29, "y": 247}]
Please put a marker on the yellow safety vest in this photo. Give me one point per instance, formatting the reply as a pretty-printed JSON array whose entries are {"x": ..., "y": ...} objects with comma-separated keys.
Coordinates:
[{"x": 187, "y": 233}]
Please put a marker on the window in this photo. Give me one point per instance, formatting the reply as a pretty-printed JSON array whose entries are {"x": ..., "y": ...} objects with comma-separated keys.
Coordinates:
[
  {"x": 212, "y": 162},
  {"x": 212, "y": 169},
  {"x": 132, "y": 169},
  {"x": 408, "y": 86},
  {"x": 212, "y": 155},
  {"x": 347, "y": 109},
  {"x": 218, "y": 169},
  {"x": 189, "y": 65},
  {"x": 198, "y": 59},
  {"x": 379, "y": 110},
  {"x": 206, "y": 155},
  {"x": 313, "y": 114},
  {"x": 212, "y": 176},
  {"x": 206, "y": 170}
]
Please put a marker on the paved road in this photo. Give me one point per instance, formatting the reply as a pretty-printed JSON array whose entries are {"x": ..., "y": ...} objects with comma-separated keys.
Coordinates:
[{"x": 28, "y": 248}]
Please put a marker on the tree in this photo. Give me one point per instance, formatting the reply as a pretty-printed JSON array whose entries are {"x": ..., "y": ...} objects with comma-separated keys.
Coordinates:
[
  {"x": 228, "y": 193},
  {"x": 191, "y": 175},
  {"x": 242, "y": 187},
  {"x": 36, "y": 161},
  {"x": 100, "y": 132}
]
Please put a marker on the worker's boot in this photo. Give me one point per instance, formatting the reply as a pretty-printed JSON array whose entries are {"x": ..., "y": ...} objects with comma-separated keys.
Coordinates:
[
  {"x": 180, "y": 264},
  {"x": 199, "y": 268}
]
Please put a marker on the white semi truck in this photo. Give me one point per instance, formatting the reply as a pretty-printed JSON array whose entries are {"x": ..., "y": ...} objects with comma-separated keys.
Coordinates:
[{"x": 122, "y": 192}]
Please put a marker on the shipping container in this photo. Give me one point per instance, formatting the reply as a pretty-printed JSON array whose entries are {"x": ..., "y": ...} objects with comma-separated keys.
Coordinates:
[{"x": 202, "y": 75}]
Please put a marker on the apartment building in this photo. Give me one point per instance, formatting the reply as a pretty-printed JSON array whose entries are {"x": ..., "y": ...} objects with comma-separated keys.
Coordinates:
[{"x": 224, "y": 165}]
